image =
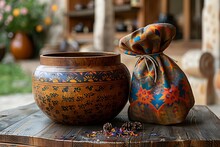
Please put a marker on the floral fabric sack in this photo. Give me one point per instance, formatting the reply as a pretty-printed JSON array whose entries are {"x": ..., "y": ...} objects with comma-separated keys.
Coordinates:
[{"x": 160, "y": 92}]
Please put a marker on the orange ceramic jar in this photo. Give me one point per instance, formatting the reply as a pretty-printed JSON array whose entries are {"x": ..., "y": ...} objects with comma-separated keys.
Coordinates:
[
  {"x": 21, "y": 46},
  {"x": 81, "y": 88}
]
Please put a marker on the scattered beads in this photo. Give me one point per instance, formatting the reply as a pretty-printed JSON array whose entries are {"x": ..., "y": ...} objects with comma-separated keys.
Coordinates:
[
  {"x": 107, "y": 127},
  {"x": 93, "y": 134},
  {"x": 119, "y": 132},
  {"x": 126, "y": 130},
  {"x": 132, "y": 126}
]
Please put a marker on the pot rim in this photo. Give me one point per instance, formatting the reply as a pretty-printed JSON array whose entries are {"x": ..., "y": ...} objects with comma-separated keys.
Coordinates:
[
  {"x": 80, "y": 58},
  {"x": 80, "y": 54}
]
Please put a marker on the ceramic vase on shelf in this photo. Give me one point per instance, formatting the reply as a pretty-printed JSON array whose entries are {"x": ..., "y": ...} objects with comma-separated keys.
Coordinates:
[{"x": 21, "y": 46}]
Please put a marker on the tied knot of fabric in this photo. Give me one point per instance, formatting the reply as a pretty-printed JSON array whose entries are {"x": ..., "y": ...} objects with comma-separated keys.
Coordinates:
[{"x": 153, "y": 62}]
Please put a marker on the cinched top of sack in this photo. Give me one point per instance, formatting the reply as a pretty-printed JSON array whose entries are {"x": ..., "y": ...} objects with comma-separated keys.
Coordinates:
[{"x": 154, "y": 38}]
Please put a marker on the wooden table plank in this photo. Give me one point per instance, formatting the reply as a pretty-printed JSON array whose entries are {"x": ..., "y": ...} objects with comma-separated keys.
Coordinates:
[
  {"x": 13, "y": 145},
  {"x": 55, "y": 135},
  {"x": 29, "y": 126},
  {"x": 12, "y": 116}
]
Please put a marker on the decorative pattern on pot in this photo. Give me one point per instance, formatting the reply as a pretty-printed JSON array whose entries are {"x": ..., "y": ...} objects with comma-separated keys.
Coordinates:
[
  {"x": 84, "y": 93},
  {"x": 80, "y": 77}
]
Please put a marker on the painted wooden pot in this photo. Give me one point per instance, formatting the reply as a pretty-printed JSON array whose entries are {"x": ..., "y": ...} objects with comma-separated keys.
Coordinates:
[{"x": 81, "y": 88}]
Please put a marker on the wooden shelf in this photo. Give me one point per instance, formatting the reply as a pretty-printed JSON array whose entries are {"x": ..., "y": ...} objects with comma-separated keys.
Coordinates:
[
  {"x": 81, "y": 13},
  {"x": 136, "y": 14},
  {"x": 90, "y": 12},
  {"x": 125, "y": 8}
]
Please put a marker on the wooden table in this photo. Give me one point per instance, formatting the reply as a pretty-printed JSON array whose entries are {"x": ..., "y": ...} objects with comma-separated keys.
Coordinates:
[{"x": 28, "y": 126}]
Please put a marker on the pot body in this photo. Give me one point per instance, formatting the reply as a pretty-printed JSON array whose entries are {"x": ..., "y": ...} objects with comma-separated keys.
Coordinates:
[
  {"x": 21, "y": 46},
  {"x": 81, "y": 88}
]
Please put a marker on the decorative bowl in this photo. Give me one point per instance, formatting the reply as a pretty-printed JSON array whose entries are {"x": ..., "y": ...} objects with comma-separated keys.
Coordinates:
[{"x": 81, "y": 88}]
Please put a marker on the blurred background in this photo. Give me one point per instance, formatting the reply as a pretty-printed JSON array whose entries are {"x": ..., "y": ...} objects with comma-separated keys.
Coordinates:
[{"x": 29, "y": 28}]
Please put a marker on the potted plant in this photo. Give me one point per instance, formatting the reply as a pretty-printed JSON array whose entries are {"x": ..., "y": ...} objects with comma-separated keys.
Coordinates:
[{"x": 26, "y": 23}]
